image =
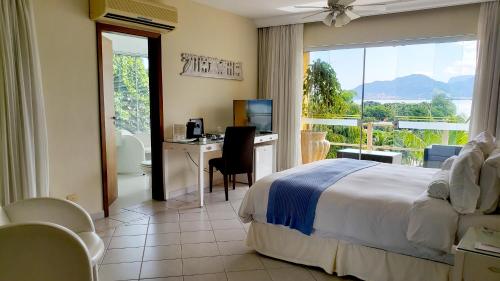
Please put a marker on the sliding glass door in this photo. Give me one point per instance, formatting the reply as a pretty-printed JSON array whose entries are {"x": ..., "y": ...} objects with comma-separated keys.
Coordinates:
[
  {"x": 330, "y": 103},
  {"x": 397, "y": 99}
]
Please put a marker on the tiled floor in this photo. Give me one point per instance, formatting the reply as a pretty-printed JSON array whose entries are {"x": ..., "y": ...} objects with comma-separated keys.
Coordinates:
[{"x": 177, "y": 241}]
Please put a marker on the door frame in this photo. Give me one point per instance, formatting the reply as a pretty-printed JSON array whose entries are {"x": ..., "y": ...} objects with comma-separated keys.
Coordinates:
[{"x": 156, "y": 109}]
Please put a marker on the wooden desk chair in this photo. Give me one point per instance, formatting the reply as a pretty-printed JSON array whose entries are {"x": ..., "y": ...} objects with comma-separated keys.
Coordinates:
[{"x": 237, "y": 156}]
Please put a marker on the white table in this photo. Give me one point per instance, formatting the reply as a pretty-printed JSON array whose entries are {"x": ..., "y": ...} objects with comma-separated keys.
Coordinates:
[
  {"x": 472, "y": 264},
  {"x": 201, "y": 148}
]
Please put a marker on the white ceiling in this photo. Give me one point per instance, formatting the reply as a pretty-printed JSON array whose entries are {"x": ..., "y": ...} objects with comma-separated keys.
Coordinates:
[{"x": 276, "y": 12}]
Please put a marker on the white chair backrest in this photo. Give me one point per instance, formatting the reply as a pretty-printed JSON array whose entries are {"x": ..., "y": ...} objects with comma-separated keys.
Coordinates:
[
  {"x": 42, "y": 251},
  {"x": 4, "y": 219},
  {"x": 144, "y": 138}
]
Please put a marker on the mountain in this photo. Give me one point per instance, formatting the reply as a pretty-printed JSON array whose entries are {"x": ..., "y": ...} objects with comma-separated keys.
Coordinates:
[{"x": 418, "y": 87}]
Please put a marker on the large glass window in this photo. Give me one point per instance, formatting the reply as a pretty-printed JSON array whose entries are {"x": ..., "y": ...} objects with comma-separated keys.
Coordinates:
[{"x": 392, "y": 98}]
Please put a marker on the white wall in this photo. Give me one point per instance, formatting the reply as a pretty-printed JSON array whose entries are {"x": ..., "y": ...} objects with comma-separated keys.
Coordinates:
[{"x": 67, "y": 43}]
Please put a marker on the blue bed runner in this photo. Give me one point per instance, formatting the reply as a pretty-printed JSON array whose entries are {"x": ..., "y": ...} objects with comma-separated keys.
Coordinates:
[{"x": 293, "y": 198}]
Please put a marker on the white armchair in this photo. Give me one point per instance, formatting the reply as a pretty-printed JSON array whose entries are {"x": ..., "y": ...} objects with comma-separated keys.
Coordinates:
[
  {"x": 48, "y": 239},
  {"x": 131, "y": 153}
]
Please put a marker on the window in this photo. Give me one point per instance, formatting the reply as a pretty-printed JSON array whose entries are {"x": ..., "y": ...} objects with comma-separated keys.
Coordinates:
[
  {"x": 131, "y": 83},
  {"x": 394, "y": 98}
]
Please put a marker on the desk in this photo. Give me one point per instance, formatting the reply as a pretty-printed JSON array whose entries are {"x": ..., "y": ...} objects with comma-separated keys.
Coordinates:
[
  {"x": 378, "y": 156},
  {"x": 209, "y": 146}
]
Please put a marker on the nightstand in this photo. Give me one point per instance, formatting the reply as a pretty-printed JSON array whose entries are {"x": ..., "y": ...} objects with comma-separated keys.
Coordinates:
[{"x": 476, "y": 265}]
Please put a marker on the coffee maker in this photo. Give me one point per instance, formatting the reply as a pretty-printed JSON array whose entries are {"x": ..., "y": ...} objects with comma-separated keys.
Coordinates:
[{"x": 194, "y": 128}]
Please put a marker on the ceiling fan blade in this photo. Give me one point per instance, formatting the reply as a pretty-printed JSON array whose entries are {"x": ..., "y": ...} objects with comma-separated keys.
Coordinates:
[
  {"x": 351, "y": 14},
  {"x": 312, "y": 15},
  {"x": 311, "y": 7},
  {"x": 342, "y": 20},
  {"x": 373, "y": 7},
  {"x": 345, "y": 2},
  {"x": 329, "y": 19}
]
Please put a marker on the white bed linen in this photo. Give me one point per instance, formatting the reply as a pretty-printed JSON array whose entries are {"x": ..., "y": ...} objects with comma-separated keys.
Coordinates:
[{"x": 370, "y": 207}]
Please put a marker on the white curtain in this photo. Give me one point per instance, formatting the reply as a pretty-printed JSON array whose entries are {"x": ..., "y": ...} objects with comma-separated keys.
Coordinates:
[
  {"x": 280, "y": 79},
  {"x": 23, "y": 133},
  {"x": 486, "y": 101}
]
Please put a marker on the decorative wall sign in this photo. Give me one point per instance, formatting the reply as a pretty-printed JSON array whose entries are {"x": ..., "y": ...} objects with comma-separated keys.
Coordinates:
[{"x": 202, "y": 66}]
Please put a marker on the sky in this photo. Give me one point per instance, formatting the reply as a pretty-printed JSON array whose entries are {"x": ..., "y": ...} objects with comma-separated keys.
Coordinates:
[{"x": 440, "y": 61}]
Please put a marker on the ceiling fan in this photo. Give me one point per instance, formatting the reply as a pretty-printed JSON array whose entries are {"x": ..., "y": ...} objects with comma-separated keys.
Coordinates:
[{"x": 342, "y": 11}]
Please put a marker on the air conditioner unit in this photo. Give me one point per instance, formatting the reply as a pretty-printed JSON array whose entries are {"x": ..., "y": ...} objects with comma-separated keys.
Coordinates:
[{"x": 146, "y": 14}]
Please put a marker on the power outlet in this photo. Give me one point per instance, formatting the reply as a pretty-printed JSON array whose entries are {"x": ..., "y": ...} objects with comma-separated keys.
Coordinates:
[{"x": 72, "y": 197}]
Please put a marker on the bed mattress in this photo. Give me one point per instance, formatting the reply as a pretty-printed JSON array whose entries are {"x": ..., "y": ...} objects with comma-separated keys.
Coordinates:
[{"x": 373, "y": 207}]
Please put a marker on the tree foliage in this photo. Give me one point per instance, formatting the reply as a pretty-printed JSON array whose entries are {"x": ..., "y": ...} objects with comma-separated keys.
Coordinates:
[
  {"x": 323, "y": 97},
  {"x": 322, "y": 93},
  {"x": 131, "y": 83}
]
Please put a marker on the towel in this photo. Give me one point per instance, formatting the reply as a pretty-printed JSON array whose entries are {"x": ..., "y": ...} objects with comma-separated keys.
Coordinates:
[{"x": 439, "y": 187}]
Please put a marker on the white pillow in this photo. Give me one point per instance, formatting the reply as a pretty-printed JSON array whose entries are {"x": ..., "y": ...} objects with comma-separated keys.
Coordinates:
[
  {"x": 439, "y": 187},
  {"x": 489, "y": 182},
  {"x": 486, "y": 142},
  {"x": 446, "y": 166},
  {"x": 464, "y": 179}
]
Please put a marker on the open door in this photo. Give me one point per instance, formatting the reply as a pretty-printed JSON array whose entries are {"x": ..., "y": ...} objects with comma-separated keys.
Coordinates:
[
  {"x": 109, "y": 119},
  {"x": 109, "y": 149}
]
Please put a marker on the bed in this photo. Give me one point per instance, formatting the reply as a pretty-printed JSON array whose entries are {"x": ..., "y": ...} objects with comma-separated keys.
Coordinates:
[{"x": 375, "y": 223}]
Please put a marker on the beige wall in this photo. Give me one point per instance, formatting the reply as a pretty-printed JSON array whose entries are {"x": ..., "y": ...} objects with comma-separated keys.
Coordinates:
[
  {"x": 67, "y": 45},
  {"x": 451, "y": 21},
  {"x": 217, "y": 34}
]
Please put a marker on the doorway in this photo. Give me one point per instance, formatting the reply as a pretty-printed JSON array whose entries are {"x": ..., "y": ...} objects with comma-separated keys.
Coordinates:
[{"x": 131, "y": 116}]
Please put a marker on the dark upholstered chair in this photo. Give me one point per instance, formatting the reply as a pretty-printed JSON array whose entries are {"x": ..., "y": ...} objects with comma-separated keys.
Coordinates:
[{"x": 237, "y": 156}]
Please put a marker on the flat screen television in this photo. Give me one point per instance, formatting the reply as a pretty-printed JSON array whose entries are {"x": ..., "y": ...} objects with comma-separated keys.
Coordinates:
[{"x": 258, "y": 113}]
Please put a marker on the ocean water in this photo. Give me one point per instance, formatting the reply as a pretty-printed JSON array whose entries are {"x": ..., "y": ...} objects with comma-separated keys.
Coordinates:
[{"x": 464, "y": 107}]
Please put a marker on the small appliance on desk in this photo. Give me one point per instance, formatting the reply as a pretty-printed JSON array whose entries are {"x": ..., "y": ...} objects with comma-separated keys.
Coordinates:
[{"x": 194, "y": 128}]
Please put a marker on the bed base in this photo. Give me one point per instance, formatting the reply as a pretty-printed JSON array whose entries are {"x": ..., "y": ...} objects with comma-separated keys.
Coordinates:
[{"x": 342, "y": 258}]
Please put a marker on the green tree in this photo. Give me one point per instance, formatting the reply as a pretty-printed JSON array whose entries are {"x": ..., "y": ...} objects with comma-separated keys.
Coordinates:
[
  {"x": 442, "y": 106},
  {"x": 131, "y": 82},
  {"x": 322, "y": 93}
]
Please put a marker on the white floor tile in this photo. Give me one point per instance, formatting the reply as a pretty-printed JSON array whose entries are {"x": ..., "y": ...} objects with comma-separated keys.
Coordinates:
[
  {"x": 138, "y": 229},
  {"x": 167, "y": 227},
  {"x": 193, "y": 266},
  {"x": 242, "y": 262},
  {"x": 127, "y": 241},
  {"x": 163, "y": 239},
  {"x": 123, "y": 255},
  {"x": 165, "y": 268},
  {"x": 253, "y": 275},
  {"x": 120, "y": 271},
  {"x": 270, "y": 263},
  {"x": 230, "y": 234},
  {"x": 226, "y": 224},
  {"x": 291, "y": 274},
  {"x": 227, "y": 215},
  {"x": 195, "y": 226},
  {"x": 200, "y": 250},
  {"x": 162, "y": 252},
  {"x": 234, "y": 248},
  {"x": 197, "y": 237},
  {"x": 207, "y": 277},
  {"x": 193, "y": 217}
]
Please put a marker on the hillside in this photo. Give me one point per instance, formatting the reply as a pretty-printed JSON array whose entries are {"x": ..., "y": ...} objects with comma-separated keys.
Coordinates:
[{"x": 418, "y": 87}]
